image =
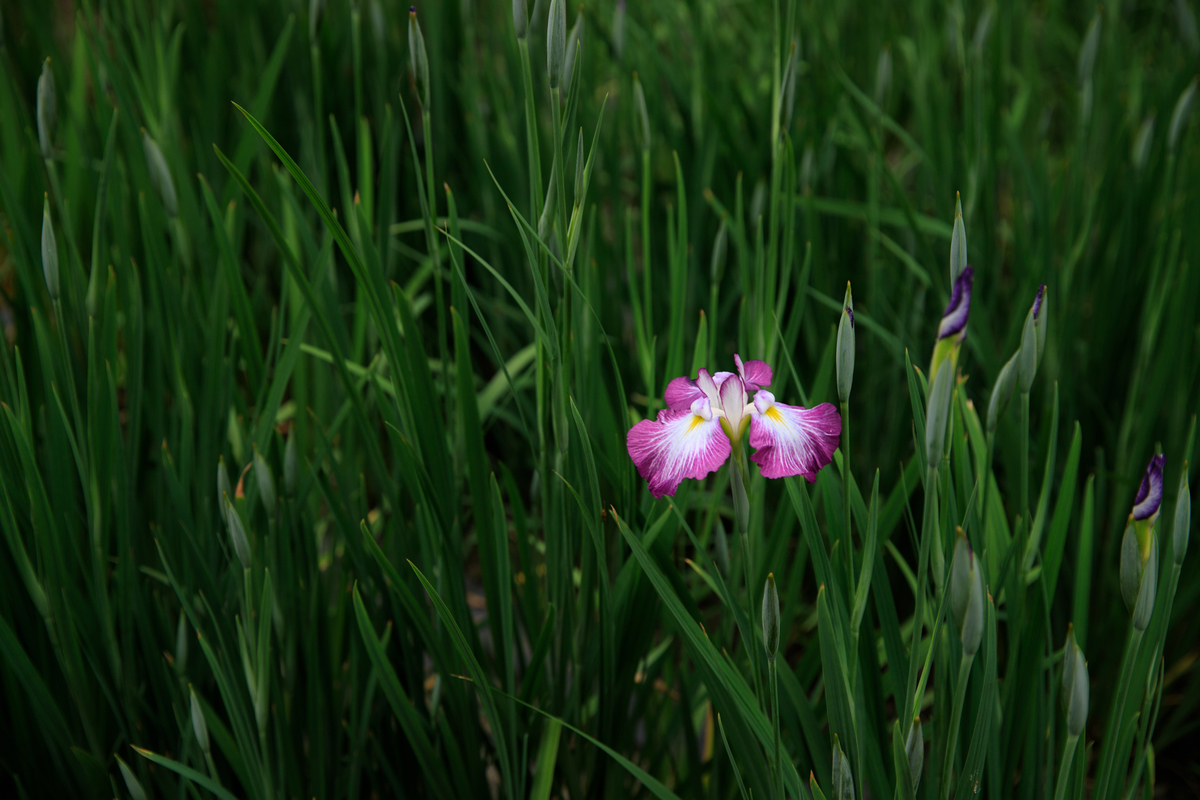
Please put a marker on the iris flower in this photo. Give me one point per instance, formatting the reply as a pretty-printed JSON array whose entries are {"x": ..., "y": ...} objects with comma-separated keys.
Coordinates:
[
  {"x": 952, "y": 330},
  {"x": 706, "y": 418}
]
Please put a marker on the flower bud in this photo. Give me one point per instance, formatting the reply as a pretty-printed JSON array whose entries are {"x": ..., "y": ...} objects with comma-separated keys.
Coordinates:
[
  {"x": 843, "y": 778},
  {"x": 1041, "y": 316},
  {"x": 418, "y": 57},
  {"x": 770, "y": 617},
  {"x": 199, "y": 726},
  {"x": 845, "y": 348},
  {"x": 1002, "y": 392},
  {"x": 958, "y": 242},
  {"x": 1148, "y": 501},
  {"x": 1179, "y": 117},
  {"x": 914, "y": 748},
  {"x": 1027, "y": 357},
  {"x": 1183, "y": 519},
  {"x": 556, "y": 42},
  {"x": 643, "y": 115},
  {"x": 966, "y": 595},
  {"x": 291, "y": 463},
  {"x": 1139, "y": 575},
  {"x": 131, "y": 782},
  {"x": 160, "y": 175},
  {"x": 937, "y": 413},
  {"x": 952, "y": 330},
  {"x": 266, "y": 482},
  {"x": 49, "y": 250},
  {"x": 237, "y": 534},
  {"x": 47, "y": 110},
  {"x": 520, "y": 18},
  {"x": 1075, "y": 685}
]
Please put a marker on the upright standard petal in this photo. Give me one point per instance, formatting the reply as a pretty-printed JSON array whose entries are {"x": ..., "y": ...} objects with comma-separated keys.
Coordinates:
[
  {"x": 791, "y": 440},
  {"x": 678, "y": 445},
  {"x": 954, "y": 321},
  {"x": 682, "y": 392},
  {"x": 755, "y": 374},
  {"x": 1150, "y": 493}
]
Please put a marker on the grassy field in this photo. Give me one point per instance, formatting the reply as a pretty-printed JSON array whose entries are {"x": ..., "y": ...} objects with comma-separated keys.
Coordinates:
[{"x": 326, "y": 324}]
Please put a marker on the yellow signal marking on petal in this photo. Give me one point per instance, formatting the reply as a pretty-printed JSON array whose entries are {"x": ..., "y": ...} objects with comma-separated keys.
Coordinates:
[
  {"x": 697, "y": 420},
  {"x": 773, "y": 414}
]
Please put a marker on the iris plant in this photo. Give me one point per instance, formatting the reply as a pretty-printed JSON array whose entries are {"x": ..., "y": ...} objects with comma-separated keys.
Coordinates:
[{"x": 707, "y": 417}]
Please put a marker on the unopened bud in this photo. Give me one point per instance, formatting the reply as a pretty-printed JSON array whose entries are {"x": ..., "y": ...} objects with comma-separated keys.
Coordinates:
[
  {"x": 1041, "y": 319},
  {"x": 1027, "y": 357},
  {"x": 845, "y": 348},
  {"x": 418, "y": 57},
  {"x": 131, "y": 782},
  {"x": 49, "y": 250},
  {"x": 1076, "y": 686},
  {"x": 266, "y": 482},
  {"x": 237, "y": 534},
  {"x": 160, "y": 175},
  {"x": 520, "y": 18},
  {"x": 843, "y": 778},
  {"x": 937, "y": 413},
  {"x": 770, "y": 617},
  {"x": 47, "y": 110},
  {"x": 966, "y": 595},
  {"x": 1002, "y": 392},
  {"x": 914, "y": 748},
  {"x": 1183, "y": 519},
  {"x": 958, "y": 242},
  {"x": 199, "y": 726},
  {"x": 1139, "y": 575},
  {"x": 556, "y": 42}
]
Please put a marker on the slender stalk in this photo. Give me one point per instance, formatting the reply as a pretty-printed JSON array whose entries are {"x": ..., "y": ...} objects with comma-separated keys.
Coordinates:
[
  {"x": 960, "y": 696},
  {"x": 750, "y": 627},
  {"x": 846, "y": 480},
  {"x": 928, "y": 526},
  {"x": 1110, "y": 740},
  {"x": 1024, "y": 457},
  {"x": 1064, "y": 769},
  {"x": 772, "y": 669}
]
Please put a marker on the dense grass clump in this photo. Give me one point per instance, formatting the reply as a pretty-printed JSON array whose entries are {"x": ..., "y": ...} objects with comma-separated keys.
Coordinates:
[{"x": 326, "y": 323}]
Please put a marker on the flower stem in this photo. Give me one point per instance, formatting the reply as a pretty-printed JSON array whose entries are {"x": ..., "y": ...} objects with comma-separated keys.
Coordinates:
[
  {"x": 960, "y": 696},
  {"x": 1064, "y": 769},
  {"x": 1114, "y": 725},
  {"x": 752, "y": 644},
  {"x": 1024, "y": 455},
  {"x": 928, "y": 530},
  {"x": 772, "y": 668},
  {"x": 848, "y": 543}
]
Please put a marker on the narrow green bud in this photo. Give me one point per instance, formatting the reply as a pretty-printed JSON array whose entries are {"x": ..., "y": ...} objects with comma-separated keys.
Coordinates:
[
  {"x": 643, "y": 114},
  {"x": 958, "y": 242},
  {"x": 181, "y": 643},
  {"x": 266, "y": 482},
  {"x": 843, "y": 778},
  {"x": 237, "y": 534},
  {"x": 1179, "y": 117},
  {"x": 49, "y": 250},
  {"x": 1075, "y": 684},
  {"x": 1183, "y": 519},
  {"x": 938, "y": 412},
  {"x": 966, "y": 595},
  {"x": 1002, "y": 392},
  {"x": 914, "y": 748},
  {"x": 574, "y": 41},
  {"x": 520, "y": 18},
  {"x": 131, "y": 782},
  {"x": 160, "y": 175},
  {"x": 556, "y": 42},
  {"x": 199, "y": 726},
  {"x": 1041, "y": 320},
  {"x": 1087, "y": 51},
  {"x": 291, "y": 463},
  {"x": 1027, "y": 356},
  {"x": 883, "y": 76},
  {"x": 579, "y": 169},
  {"x": 418, "y": 57},
  {"x": 47, "y": 110},
  {"x": 770, "y": 617},
  {"x": 845, "y": 348},
  {"x": 1139, "y": 575}
]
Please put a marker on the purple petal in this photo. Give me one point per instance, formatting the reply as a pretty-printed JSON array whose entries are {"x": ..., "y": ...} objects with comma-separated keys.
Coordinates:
[
  {"x": 1150, "y": 493},
  {"x": 955, "y": 319},
  {"x": 681, "y": 393},
  {"x": 678, "y": 445},
  {"x": 792, "y": 440},
  {"x": 1037, "y": 301},
  {"x": 755, "y": 374},
  {"x": 850, "y": 311}
]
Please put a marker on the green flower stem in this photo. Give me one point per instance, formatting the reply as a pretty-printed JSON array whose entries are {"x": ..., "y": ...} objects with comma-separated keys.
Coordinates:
[
  {"x": 848, "y": 544},
  {"x": 752, "y": 644},
  {"x": 772, "y": 669},
  {"x": 1064, "y": 769},
  {"x": 1024, "y": 510},
  {"x": 928, "y": 530},
  {"x": 960, "y": 696},
  {"x": 1110, "y": 740}
]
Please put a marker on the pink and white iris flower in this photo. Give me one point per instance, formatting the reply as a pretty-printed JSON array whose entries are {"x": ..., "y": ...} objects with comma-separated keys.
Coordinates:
[{"x": 706, "y": 418}]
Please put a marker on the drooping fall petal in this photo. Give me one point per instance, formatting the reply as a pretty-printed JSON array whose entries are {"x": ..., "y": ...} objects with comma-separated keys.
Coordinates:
[
  {"x": 678, "y": 445},
  {"x": 792, "y": 440}
]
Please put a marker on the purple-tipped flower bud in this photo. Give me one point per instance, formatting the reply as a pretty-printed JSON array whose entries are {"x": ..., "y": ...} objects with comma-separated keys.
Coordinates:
[
  {"x": 1041, "y": 316},
  {"x": 954, "y": 320},
  {"x": 845, "y": 348},
  {"x": 1150, "y": 492},
  {"x": 1027, "y": 358}
]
